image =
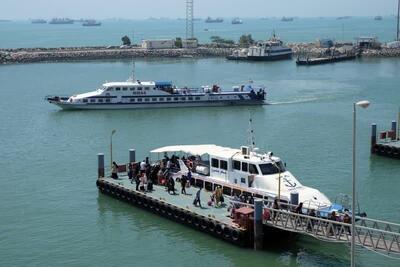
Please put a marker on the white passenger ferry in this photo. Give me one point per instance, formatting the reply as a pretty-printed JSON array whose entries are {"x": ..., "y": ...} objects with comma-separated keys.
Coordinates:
[
  {"x": 243, "y": 170},
  {"x": 158, "y": 94},
  {"x": 272, "y": 49}
]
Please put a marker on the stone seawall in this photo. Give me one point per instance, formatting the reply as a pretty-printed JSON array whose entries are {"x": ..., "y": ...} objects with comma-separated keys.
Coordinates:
[{"x": 30, "y": 55}]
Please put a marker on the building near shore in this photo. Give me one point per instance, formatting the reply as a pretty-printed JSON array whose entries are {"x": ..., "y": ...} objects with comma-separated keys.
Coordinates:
[
  {"x": 324, "y": 43},
  {"x": 158, "y": 44},
  {"x": 368, "y": 42},
  {"x": 190, "y": 43}
]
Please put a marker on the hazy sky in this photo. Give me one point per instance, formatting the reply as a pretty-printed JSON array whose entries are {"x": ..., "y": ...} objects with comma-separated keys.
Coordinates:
[{"x": 22, "y": 9}]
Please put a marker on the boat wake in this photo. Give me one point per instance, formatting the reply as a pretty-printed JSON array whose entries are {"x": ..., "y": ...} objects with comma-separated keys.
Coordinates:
[{"x": 293, "y": 101}]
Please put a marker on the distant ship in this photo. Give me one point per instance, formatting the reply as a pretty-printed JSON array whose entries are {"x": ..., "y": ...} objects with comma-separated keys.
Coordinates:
[
  {"x": 61, "y": 21},
  {"x": 38, "y": 21},
  {"x": 91, "y": 22},
  {"x": 378, "y": 18},
  {"x": 287, "y": 19},
  {"x": 237, "y": 21},
  {"x": 343, "y": 17},
  {"x": 211, "y": 20}
]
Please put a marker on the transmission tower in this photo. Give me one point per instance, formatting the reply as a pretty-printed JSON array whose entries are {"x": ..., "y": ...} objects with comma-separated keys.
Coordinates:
[{"x": 189, "y": 19}]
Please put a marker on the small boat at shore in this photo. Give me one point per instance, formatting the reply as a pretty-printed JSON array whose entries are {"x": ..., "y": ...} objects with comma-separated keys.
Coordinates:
[
  {"x": 38, "y": 21},
  {"x": 159, "y": 94},
  {"x": 237, "y": 21}
]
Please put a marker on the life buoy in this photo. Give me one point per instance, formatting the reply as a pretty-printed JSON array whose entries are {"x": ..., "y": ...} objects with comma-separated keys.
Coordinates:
[
  {"x": 196, "y": 221},
  {"x": 235, "y": 235},
  {"x": 219, "y": 229},
  {"x": 203, "y": 224},
  {"x": 227, "y": 232},
  {"x": 189, "y": 218},
  {"x": 211, "y": 226},
  {"x": 182, "y": 215}
]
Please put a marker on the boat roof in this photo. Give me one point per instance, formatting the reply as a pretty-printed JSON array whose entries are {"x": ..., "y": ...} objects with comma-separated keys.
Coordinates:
[
  {"x": 199, "y": 150},
  {"x": 217, "y": 151},
  {"x": 129, "y": 83}
]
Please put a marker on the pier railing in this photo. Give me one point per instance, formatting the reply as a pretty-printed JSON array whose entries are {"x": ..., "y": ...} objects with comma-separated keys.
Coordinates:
[{"x": 372, "y": 234}]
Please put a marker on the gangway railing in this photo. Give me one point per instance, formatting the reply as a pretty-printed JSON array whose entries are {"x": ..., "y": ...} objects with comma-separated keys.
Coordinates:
[{"x": 372, "y": 234}]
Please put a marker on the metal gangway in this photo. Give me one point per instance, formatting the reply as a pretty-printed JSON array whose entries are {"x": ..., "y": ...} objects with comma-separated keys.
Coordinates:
[{"x": 379, "y": 236}]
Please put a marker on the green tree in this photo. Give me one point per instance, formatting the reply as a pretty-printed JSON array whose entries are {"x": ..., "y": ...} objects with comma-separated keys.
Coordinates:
[
  {"x": 178, "y": 42},
  {"x": 217, "y": 39},
  {"x": 125, "y": 40},
  {"x": 246, "y": 40}
]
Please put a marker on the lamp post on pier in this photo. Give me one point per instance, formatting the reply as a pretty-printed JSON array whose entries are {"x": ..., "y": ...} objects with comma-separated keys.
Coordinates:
[
  {"x": 363, "y": 104},
  {"x": 111, "y": 149}
]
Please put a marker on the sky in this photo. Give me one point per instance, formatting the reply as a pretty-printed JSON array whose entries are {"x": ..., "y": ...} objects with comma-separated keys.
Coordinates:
[{"x": 139, "y": 9}]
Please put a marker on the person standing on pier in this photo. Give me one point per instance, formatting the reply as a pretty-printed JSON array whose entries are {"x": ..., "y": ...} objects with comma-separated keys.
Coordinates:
[
  {"x": 114, "y": 170},
  {"x": 183, "y": 184},
  {"x": 197, "y": 199}
]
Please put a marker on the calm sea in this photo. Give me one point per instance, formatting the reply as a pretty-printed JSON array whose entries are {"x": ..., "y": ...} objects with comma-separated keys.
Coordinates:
[
  {"x": 25, "y": 34},
  {"x": 52, "y": 214}
]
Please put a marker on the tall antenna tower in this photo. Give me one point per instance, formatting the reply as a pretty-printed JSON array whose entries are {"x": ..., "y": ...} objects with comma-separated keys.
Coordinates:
[{"x": 189, "y": 19}]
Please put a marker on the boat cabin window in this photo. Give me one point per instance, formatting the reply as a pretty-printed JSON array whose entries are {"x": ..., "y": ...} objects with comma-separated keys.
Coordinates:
[
  {"x": 110, "y": 89},
  {"x": 146, "y": 88},
  {"x": 139, "y": 100},
  {"x": 139, "y": 88},
  {"x": 108, "y": 100},
  {"x": 147, "y": 99},
  {"x": 132, "y": 88},
  {"x": 190, "y": 98},
  {"x": 269, "y": 168},
  {"x": 92, "y": 100},
  {"x": 175, "y": 98},
  {"x": 183, "y": 98},
  {"x": 245, "y": 167},
  {"x": 132, "y": 100},
  {"x": 154, "y": 99},
  {"x": 236, "y": 165},
  {"x": 215, "y": 163},
  {"x": 117, "y": 89},
  {"x": 197, "y": 98},
  {"x": 223, "y": 164},
  {"x": 84, "y": 100},
  {"x": 124, "y": 88},
  {"x": 168, "y": 99},
  {"x": 100, "y": 100},
  {"x": 161, "y": 99},
  {"x": 253, "y": 169}
]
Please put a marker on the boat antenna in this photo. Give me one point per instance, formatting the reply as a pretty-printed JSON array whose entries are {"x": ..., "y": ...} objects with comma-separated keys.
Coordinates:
[{"x": 251, "y": 139}]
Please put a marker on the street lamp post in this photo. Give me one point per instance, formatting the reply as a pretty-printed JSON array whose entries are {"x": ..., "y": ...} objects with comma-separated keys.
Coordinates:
[
  {"x": 111, "y": 149},
  {"x": 363, "y": 104}
]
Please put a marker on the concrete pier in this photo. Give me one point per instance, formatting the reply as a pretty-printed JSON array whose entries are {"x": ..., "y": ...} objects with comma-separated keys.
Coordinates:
[{"x": 387, "y": 143}]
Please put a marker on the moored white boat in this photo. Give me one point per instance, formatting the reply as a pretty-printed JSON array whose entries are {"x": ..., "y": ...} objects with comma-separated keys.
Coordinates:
[{"x": 261, "y": 174}]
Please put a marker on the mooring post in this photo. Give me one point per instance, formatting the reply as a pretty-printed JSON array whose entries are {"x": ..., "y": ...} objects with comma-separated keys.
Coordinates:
[
  {"x": 394, "y": 130},
  {"x": 132, "y": 155},
  {"x": 373, "y": 136},
  {"x": 100, "y": 165},
  {"x": 258, "y": 224}
]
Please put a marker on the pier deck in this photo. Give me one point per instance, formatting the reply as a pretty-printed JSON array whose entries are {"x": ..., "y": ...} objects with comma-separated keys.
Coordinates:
[{"x": 180, "y": 200}]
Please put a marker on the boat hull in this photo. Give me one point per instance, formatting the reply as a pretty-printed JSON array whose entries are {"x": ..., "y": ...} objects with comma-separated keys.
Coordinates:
[
  {"x": 110, "y": 106},
  {"x": 319, "y": 61},
  {"x": 260, "y": 58}
]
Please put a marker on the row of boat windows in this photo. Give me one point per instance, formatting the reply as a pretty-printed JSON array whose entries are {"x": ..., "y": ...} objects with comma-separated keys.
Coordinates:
[
  {"x": 139, "y": 88},
  {"x": 144, "y": 99},
  {"x": 266, "y": 168},
  {"x": 237, "y": 165}
]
